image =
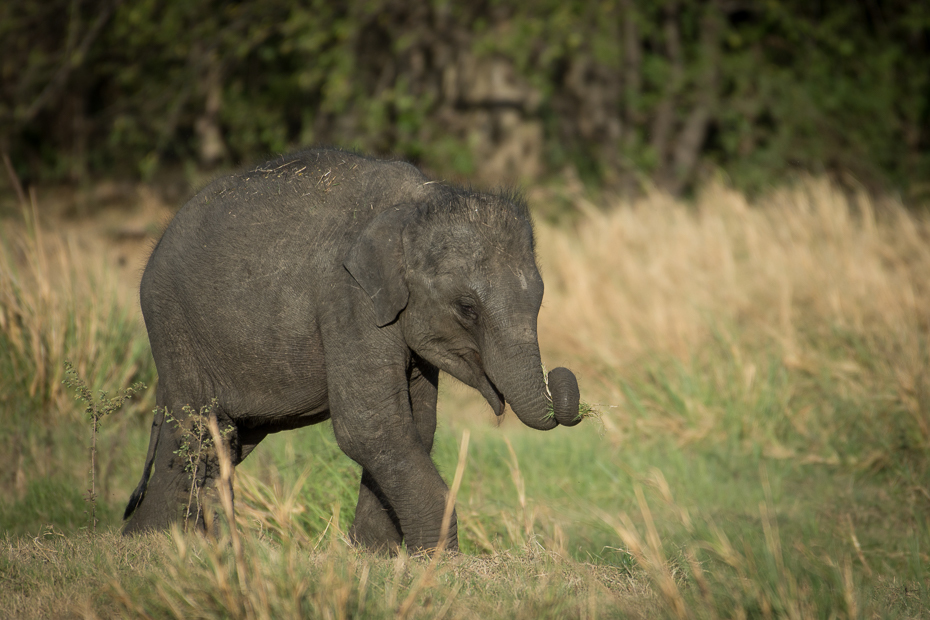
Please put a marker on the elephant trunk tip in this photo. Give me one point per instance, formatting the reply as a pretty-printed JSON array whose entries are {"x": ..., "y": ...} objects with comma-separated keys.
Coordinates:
[{"x": 563, "y": 388}]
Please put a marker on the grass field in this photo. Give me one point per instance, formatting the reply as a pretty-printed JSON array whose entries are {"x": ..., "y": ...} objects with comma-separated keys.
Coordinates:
[{"x": 763, "y": 448}]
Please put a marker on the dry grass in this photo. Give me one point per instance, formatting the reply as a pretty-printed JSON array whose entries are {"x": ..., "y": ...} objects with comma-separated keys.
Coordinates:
[
  {"x": 822, "y": 280},
  {"x": 66, "y": 294},
  {"x": 69, "y": 291},
  {"x": 796, "y": 328},
  {"x": 181, "y": 575},
  {"x": 655, "y": 275}
]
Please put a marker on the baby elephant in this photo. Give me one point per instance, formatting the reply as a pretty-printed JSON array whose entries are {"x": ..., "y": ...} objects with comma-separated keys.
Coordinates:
[{"x": 328, "y": 285}]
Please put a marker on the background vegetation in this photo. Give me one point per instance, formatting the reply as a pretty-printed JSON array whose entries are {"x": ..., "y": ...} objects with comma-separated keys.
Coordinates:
[
  {"x": 625, "y": 92},
  {"x": 763, "y": 448},
  {"x": 760, "y": 352}
]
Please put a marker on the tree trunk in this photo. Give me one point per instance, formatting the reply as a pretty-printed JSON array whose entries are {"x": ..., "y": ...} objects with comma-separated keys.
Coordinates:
[
  {"x": 632, "y": 85},
  {"x": 664, "y": 120},
  {"x": 691, "y": 139}
]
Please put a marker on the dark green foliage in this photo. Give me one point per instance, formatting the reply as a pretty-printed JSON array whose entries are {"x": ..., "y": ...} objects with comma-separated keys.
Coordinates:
[{"x": 624, "y": 90}]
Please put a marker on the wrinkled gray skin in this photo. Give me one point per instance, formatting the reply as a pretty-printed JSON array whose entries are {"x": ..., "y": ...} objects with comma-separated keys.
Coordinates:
[{"x": 329, "y": 285}]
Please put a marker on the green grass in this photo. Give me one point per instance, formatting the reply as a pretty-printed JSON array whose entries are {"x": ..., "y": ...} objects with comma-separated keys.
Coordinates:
[
  {"x": 745, "y": 478},
  {"x": 731, "y": 532}
]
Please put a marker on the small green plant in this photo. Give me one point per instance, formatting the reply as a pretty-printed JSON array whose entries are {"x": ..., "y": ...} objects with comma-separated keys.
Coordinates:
[{"x": 96, "y": 409}]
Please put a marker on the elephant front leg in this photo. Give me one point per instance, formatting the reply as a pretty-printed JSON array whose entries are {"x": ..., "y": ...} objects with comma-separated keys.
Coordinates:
[
  {"x": 376, "y": 525},
  {"x": 404, "y": 475},
  {"x": 369, "y": 372},
  {"x": 383, "y": 440},
  {"x": 424, "y": 393}
]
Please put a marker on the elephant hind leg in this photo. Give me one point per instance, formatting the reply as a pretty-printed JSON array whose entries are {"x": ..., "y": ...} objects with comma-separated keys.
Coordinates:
[
  {"x": 139, "y": 492},
  {"x": 180, "y": 471},
  {"x": 158, "y": 502}
]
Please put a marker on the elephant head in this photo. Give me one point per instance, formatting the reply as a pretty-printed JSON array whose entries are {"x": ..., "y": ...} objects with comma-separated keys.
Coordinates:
[{"x": 457, "y": 273}]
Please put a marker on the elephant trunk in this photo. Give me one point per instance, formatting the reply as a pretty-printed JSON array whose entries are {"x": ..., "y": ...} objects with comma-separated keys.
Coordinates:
[
  {"x": 520, "y": 379},
  {"x": 565, "y": 396}
]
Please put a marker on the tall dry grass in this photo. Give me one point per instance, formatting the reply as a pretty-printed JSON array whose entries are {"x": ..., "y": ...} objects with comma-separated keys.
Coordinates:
[
  {"x": 657, "y": 274},
  {"x": 818, "y": 279},
  {"x": 59, "y": 301}
]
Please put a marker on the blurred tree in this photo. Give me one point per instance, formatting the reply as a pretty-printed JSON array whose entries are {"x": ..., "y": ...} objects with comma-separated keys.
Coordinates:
[{"x": 624, "y": 91}]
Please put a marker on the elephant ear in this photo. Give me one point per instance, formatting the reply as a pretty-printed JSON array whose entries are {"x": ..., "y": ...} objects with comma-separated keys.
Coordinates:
[{"x": 376, "y": 261}]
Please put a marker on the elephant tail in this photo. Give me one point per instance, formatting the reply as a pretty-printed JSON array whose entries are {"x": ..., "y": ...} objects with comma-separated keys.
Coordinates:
[{"x": 139, "y": 493}]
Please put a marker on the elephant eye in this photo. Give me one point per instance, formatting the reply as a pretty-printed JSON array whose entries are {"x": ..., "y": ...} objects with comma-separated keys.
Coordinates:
[{"x": 467, "y": 309}]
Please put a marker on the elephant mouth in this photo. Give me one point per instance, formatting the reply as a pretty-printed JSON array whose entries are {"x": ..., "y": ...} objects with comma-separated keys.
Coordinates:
[
  {"x": 492, "y": 395},
  {"x": 471, "y": 360}
]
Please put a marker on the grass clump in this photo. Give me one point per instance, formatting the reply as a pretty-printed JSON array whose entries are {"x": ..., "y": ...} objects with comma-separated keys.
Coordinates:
[{"x": 585, "y": 410}]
